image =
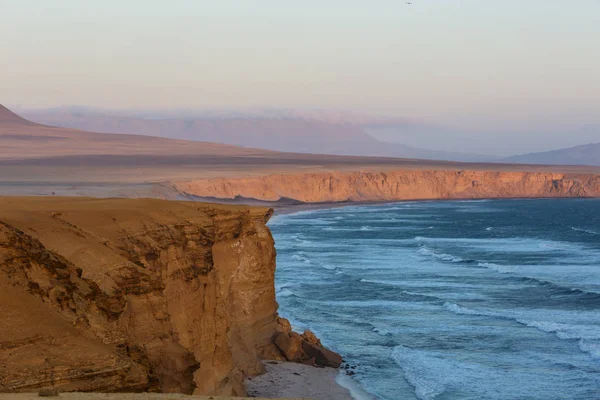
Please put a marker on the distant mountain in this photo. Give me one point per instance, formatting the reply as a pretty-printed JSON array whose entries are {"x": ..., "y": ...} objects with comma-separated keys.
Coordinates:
[
  {"x": 8, "y": 117},
  {"x": 587, "y": 154},
  {"x": 23, "y": 139},
  {"x": 299, "y": 134}
]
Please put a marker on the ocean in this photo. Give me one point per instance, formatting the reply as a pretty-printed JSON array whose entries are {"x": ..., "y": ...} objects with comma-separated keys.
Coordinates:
[{"x": 492, "y": 299}]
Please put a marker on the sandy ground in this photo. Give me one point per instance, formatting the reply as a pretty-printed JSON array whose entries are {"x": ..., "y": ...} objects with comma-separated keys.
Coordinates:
[
  {"x": 297, "y": 380},
  {"x": 103, "y": 190}
]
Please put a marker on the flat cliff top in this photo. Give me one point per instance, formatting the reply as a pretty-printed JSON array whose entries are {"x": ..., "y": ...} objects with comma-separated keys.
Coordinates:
[
  {"x": 100, "y": 220},
  {"x": 94, "y": 210}
]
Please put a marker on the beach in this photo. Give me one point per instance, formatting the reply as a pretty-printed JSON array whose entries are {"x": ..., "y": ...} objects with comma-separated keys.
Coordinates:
[{"x": 285, "y": 380}]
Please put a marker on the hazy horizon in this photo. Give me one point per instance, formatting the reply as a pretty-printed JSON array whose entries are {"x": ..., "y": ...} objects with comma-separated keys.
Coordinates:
[
  {"x": 513, "y": 76},
  {"x": 493, "y": 142}
]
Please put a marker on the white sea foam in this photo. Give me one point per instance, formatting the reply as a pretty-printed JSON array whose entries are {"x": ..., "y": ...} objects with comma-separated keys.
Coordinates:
[
  {"x": 300, "y": 239},
  {"x": 503, "y": 269},
  {"x": 585, "y": 231},
  {"x": 309, "y": 221},
  {"x": 590, "y": 347},
  {"x": 553, "y": 245},
  {"x": 424, "y": 251},
  {"x": 285, "y": 293},
  {"x": 357, "y": 392},
  {"x": 423, "y": 372},
  {"x": 573, "y": 277},
  {"x": 300, "y": 257},
  {"x": 456, "y": 309},
  {"x": 561, "y": 330},
  {"x": 458, "y": 295},
  {"x": 279, "y": 287},
  {"x": 276, "y": 220},
  {"x": 368, "y": 228},
  {"x": 408, "y": 292},
  {"x": 382, "y": 332},
  {"x": 565, "y": 331},
  {"x": 440, "y": 374},
  {"x": 423, "y": 284},
  {"x": 389, "y": 304},
  {"x": 514, "y": 244}
]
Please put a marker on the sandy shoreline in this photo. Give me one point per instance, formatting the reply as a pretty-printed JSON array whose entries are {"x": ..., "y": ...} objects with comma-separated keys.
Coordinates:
[{"x": 285, "y": 379}]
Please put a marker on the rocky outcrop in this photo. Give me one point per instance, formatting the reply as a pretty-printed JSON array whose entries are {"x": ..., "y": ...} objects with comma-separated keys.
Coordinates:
[
  {"x": 306, "y": 349},
  {"x": 134, "y": 295},
  {"x": 396, "y": 185}
]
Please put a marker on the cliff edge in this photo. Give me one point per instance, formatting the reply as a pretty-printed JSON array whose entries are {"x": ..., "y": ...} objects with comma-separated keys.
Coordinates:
[
  {"x": 134, "y": 295},
  {"x": 404, "y": 184}
]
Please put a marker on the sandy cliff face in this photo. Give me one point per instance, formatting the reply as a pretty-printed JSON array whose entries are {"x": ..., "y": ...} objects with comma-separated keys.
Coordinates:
[
  {"x": 396, "y": 185},
  {"x": 134, "y": 295}
]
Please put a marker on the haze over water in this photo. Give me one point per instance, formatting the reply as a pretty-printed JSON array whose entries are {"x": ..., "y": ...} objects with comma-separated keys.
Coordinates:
[{"x": 451, "y": 300}]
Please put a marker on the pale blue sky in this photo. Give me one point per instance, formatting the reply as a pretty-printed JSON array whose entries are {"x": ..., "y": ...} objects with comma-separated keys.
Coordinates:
[{"x": 510, "y": 64}]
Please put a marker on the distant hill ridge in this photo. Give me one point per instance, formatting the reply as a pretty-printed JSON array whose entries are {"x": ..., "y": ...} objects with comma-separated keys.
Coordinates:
[
  {"x": 9, "y": 117},
  {"x": 587, "y": 154},
  {"x": 298, "y": 134},
  {"x": 23, "y": 139}
]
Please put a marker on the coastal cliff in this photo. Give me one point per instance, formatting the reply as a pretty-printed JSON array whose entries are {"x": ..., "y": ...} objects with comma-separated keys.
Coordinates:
[
  {"x": 134, "y": 295},
  {"x": 395, "y": 185}
]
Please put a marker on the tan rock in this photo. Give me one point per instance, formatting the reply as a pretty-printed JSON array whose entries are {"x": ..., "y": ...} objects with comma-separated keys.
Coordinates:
[
  {"x": 322, "y": 356},
  {"x": 291, "y": 346},
  {"x": 311, "y": 338},
  {"x": 306, "y": 349},
  {"x": 284, "y": 325},
  {"x": 134, "y": 295}
]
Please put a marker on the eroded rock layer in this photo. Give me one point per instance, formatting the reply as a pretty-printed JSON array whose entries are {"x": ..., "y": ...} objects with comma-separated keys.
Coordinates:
[
  {"x": 134, "y": 295},
  {"x": 396, "y": 185}
]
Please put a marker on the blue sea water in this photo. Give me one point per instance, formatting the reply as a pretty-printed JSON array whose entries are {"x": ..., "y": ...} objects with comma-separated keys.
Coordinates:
[{"x": 494, "y": 299}]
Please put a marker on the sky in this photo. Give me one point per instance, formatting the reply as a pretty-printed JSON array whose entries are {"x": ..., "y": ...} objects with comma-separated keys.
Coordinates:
[{"x": 479, "y": 65}]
